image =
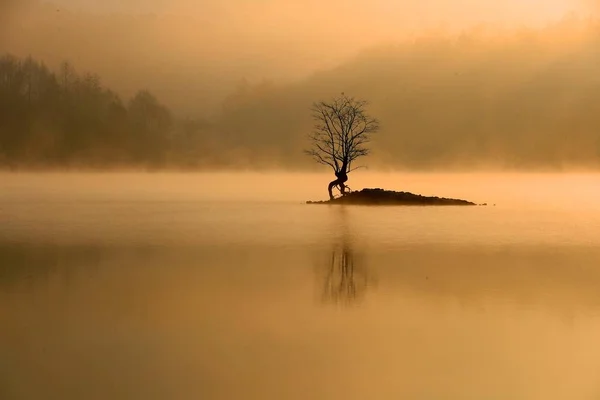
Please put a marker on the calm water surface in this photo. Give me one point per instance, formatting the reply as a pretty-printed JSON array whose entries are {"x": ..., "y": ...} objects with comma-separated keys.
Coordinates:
[{"x": 220, "y": 286}]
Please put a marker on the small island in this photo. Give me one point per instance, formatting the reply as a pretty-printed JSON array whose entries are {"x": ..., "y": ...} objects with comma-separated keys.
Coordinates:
[
  {"x": 390, "y": 198},
  {"x": 342, "y": 131}
]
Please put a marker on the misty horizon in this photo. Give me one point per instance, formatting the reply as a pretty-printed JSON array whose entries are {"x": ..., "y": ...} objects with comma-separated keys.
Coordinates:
[
  {"x": 490, "y": 91},
  {"x": 217, "y": 44}
]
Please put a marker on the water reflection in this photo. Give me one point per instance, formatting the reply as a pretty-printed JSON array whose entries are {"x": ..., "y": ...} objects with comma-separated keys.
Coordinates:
[
  {"x": 346, "y": 278},
  {"x": 22, "y": 265}
]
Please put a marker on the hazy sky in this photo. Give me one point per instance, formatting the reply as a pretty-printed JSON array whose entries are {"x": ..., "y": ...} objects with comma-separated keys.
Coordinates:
[
  {"x": 198, "y": 49},
  {"x": 386, "y": 11},
  {"x": 323, "y": 31}
]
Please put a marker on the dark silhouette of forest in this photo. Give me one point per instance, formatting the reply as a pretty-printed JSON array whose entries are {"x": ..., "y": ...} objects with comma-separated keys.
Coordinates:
[
  {"x": 63, "y": 118},
  {"x": 526, "y": 99}
]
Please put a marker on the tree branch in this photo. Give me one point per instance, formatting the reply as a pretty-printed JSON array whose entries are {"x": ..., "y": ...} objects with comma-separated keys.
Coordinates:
[{"x": 341, "y": 130}]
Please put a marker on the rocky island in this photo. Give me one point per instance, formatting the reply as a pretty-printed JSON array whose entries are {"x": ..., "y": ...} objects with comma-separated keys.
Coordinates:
[{"x": 381, "y": 197}]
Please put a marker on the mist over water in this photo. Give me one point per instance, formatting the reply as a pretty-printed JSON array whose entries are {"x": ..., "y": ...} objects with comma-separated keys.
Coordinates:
[{"x": 217, "y": 286}]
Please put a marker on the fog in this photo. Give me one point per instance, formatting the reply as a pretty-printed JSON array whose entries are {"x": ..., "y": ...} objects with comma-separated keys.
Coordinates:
[
  {"x": 190, "y": 53},
  {"x": 465, "y": 84}
]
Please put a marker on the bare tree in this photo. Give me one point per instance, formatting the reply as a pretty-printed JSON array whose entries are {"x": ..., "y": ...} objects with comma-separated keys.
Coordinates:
[{"x": 342, "y": 130}]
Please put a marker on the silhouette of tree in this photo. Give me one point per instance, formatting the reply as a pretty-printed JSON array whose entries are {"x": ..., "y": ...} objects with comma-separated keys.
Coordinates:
[
  {"x": 65, "y": 118},
  {"x": 342, "y": 129},
  {"x": 151, "y": 123}
]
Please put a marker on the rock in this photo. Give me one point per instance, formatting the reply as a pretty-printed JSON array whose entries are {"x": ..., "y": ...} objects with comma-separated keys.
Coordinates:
[{"x": 380, "y": 197}]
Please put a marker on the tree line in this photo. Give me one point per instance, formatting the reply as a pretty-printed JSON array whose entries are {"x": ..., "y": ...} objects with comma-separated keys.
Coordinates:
[
  {"x": 66, "y": 119},
  {"x": 525, "y": 100}
]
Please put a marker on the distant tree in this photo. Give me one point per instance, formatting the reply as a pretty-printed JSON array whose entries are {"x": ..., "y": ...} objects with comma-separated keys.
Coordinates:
[
  {"x": 151, "y": 124},
  {"x": 68, "y": 75},
  {"x": 342, "y": 130}
]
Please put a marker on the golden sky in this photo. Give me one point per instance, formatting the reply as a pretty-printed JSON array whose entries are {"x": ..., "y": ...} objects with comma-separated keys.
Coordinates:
[
  {"x": 340, "y": 12},
  {"x": 199, "y": 48}
]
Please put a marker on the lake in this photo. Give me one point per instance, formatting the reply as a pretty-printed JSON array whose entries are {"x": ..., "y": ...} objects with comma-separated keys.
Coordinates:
[{"x": 227, "y": 286}]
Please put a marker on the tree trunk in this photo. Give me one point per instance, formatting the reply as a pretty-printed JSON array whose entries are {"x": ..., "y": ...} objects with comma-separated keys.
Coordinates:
[{"x": 342, "y": 178}]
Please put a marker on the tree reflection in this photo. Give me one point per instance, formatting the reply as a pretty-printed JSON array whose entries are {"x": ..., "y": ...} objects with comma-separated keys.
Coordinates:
[
  {"x": 29, "y": 264},
  {"x": 345, "y": 279}
]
